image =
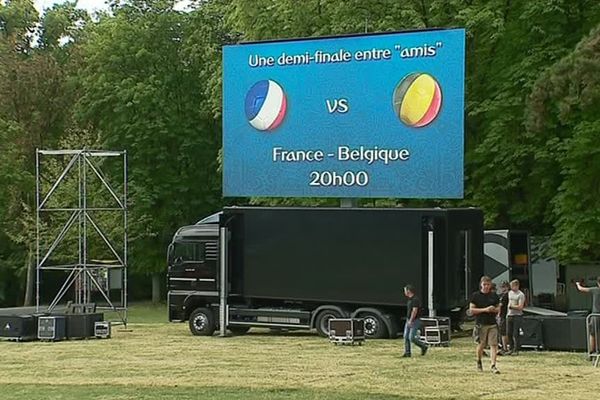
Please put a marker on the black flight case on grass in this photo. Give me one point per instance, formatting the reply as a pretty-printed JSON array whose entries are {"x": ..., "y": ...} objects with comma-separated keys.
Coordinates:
[
  {"x": 52, "y": 328},
  {"x": 531, "y": 334},
  {"x": 18, "y": 327},
  {"x": 435, "y": 331},
  {"x": 347, "y": 330}
]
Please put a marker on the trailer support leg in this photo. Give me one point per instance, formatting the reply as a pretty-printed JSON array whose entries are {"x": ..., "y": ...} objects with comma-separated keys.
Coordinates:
[
  {"x": 223, "y": 285},
  {"x": 430, "y": 274}
]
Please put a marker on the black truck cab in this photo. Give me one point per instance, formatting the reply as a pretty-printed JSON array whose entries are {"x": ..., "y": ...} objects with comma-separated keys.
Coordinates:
[{"x": 192, "y": 259}]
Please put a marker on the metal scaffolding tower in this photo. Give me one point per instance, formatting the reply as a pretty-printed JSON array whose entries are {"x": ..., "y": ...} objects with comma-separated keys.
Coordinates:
[{"x": 80, "y": 178}]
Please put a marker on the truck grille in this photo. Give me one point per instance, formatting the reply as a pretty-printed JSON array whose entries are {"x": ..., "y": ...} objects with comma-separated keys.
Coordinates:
[{"x": 212, "y": 250}]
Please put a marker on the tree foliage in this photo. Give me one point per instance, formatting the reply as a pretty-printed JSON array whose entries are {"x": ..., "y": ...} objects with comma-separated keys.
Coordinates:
[
  {"x": 563, "y": 124},
  {"x": 142, "y": 91},
  {"x": 146, "y": 78}
]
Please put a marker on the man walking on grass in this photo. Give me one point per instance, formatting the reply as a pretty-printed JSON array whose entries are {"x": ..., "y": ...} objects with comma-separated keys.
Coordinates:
[
  {"x": 484, "y": 305},
  {"x": 413, "y": 322}
]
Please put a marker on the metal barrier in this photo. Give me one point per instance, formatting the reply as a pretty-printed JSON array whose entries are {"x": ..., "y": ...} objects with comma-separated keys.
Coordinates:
[{"x": 592, "y": 329}]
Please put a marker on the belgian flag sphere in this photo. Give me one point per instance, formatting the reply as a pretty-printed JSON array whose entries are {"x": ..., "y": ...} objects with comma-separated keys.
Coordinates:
[{"x": 417, "y": 99}]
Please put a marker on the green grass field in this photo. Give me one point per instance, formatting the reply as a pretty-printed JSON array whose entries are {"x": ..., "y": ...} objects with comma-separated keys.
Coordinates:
[{"x": 153, "y": 359}]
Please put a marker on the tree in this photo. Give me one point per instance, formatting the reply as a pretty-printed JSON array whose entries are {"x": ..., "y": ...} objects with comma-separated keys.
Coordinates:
[
  {"x": 565, "y": 126},
  {"x": 35, "y": 102},
  {"x": 14, "y": 262},
  {"x": 142, "y": 92}
]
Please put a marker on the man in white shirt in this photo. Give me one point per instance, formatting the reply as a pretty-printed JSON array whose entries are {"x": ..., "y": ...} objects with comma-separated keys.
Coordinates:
[{"x": 514, "y": 321}]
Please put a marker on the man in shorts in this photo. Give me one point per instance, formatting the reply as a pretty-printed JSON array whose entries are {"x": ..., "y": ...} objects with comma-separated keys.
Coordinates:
[{"x": 485, "y": 305}]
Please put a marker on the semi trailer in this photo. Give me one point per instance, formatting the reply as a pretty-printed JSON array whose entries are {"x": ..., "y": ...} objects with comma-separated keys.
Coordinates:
[
  {"x": 297, "y": 268},
  {"x": 507, "y": 257}
]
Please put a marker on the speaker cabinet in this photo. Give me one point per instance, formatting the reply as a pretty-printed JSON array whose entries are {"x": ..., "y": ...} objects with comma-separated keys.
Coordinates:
[{"x": 565, "y": 333}]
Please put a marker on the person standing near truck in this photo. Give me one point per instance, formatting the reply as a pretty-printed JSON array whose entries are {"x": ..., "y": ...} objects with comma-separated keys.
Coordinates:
[
  {"x": 514, "y": 317},
  {"x": 485, "y": 305},
  {"x": 504, "y": 289},
  {"x": 413, "y": 322},
  {"x": 594, "y": 322}
]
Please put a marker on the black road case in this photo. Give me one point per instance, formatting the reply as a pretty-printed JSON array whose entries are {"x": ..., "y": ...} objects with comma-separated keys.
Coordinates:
[
  {"x": 565, "y": 333},
  {"x": 80, "y": 326},
  {"x": 52, "y": 328},
  {"x": 435, "y": 331},
  {"x": 531, "y": 335},
  {"x": 347, "y": 330},
  {"x": 18, "y": 327},
  {"x": 102, "y": 329}
]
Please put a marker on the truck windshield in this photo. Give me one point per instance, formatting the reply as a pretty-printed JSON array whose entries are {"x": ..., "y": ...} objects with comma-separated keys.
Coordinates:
[{"x": 187, "y": 252}]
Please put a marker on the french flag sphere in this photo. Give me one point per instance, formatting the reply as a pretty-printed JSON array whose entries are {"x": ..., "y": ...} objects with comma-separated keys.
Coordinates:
[{"x": 266, "y": 105}]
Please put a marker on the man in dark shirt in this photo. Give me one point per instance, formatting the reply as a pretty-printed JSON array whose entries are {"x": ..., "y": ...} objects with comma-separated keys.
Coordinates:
[
  {"x": 413, "y": 322},
  {"x": 594, "y": 323},
  {"x": 505, "y": 287},
  {"x": 485, "y": 305}
]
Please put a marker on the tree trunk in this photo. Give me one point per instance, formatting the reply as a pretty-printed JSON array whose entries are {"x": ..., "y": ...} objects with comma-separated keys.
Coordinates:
[
  {"x": 31, "y": 277},
  {"x": 156, "y": 289}
]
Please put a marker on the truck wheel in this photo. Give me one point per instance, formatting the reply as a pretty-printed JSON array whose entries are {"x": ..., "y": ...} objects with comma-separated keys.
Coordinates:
[
  {"x": 374, "y": 326},
  {"x": 202, "y": 322},
  {"x": 322, "y": 321},
  {"x": 239, "y": 330}
]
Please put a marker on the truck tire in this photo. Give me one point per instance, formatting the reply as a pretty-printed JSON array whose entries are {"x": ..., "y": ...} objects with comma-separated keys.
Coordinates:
[
  {"x": 322, "y": 321},
  {"x": 202, "y": 322},
  {"x": 374, "y": 326},
  {"x": 239, "y": 330}
]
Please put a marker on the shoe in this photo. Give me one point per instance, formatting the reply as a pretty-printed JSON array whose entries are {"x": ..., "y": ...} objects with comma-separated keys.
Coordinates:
[
  {"x": 479, "y": 366},
  {"x": 501, "y": 352},
  {"x": 424, "y": 350},
  {"x": 495, "y": 370},
  {"x": 405, "y": 355}
]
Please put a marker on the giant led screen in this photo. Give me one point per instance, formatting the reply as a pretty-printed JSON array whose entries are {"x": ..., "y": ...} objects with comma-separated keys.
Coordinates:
[{"x": 355, "y": 116}]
